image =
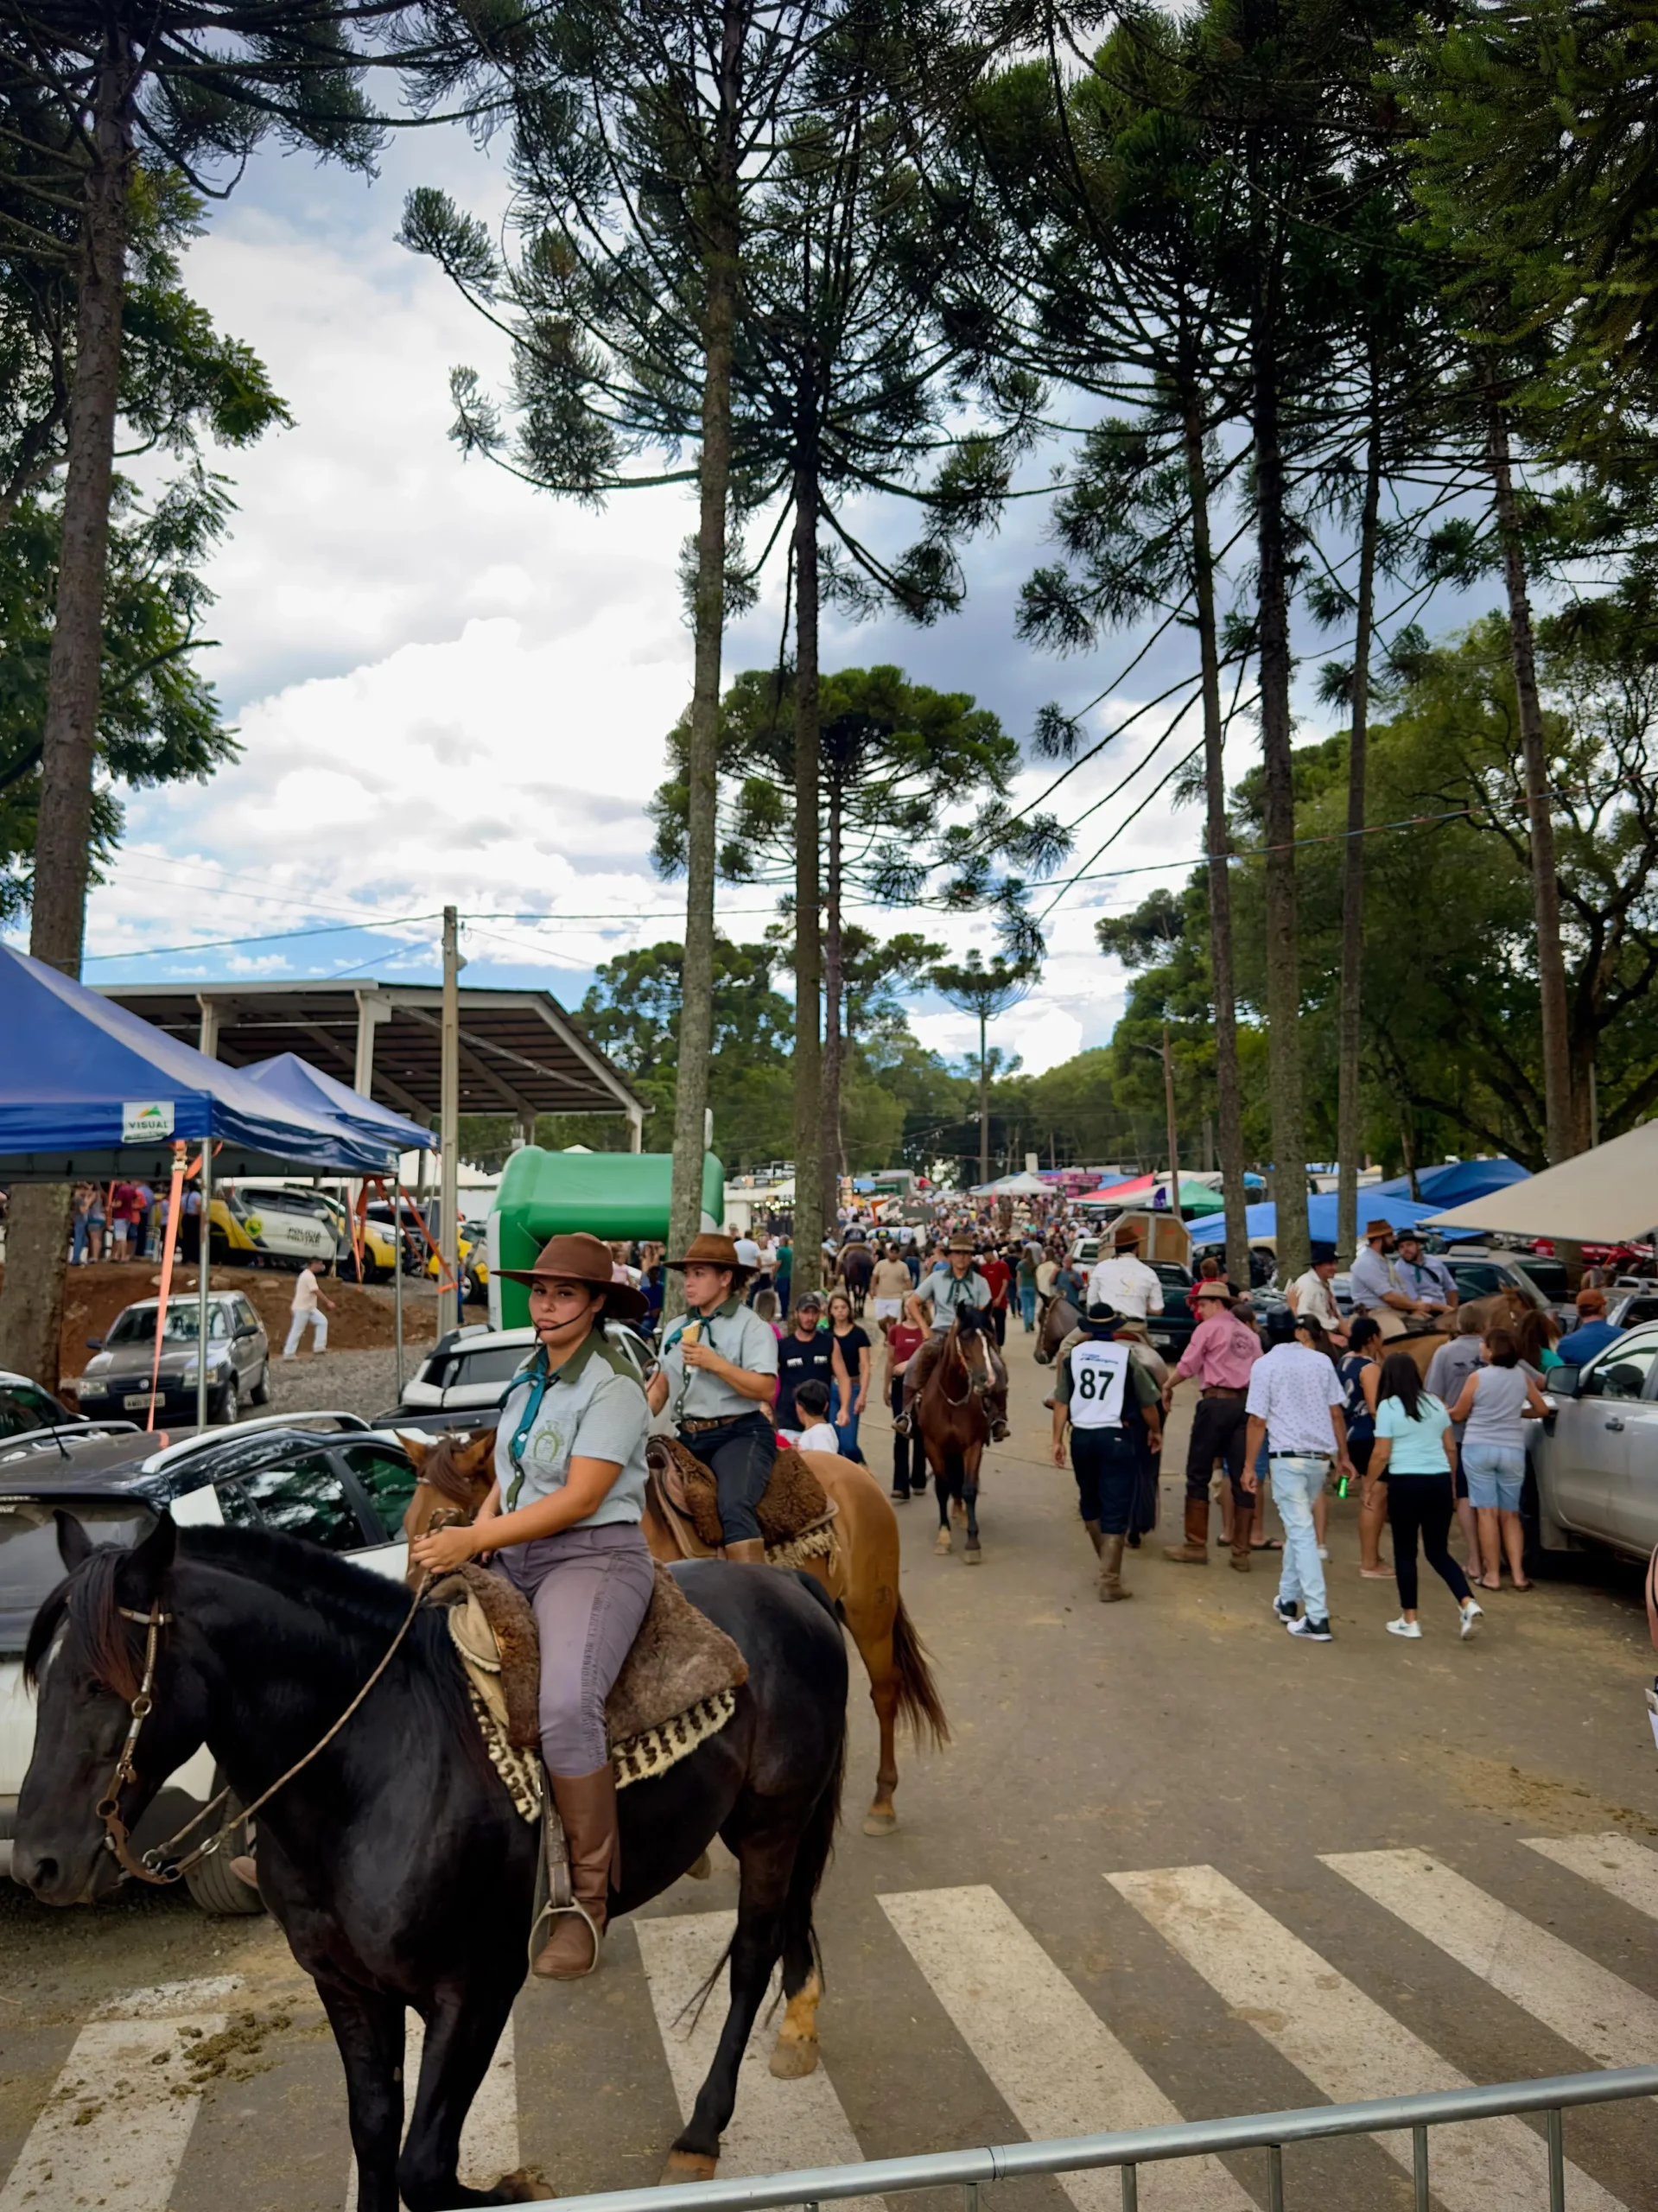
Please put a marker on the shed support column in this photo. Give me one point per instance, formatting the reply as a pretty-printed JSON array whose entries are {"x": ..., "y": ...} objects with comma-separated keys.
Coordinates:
[
  {"x": 372, "y": 1010},
  {"x": 636, "y": 1128},
  {"x": 526, "y": 1128},
  {"x": 207, "y": 1037}
]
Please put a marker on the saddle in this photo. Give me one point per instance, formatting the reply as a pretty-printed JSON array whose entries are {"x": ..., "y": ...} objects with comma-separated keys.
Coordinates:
[
  {"x": 797, "y": 1515},
  {"x": 678, "y": 1686}
]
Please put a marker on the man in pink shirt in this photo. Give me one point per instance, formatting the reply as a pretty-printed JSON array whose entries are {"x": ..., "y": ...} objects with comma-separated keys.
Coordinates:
[{"x": 1221, "y": 1353}]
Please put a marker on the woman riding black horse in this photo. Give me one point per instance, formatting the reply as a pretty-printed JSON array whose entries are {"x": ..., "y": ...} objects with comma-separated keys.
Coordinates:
[
  {"x": 719, "y": 1375},
  {"x": 562, "y": 1522}
]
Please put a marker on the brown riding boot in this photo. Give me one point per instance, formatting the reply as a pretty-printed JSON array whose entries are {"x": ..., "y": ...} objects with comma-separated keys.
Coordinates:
[
  {"x": 1243, "y": 1519},
  {"x": 747, "y": 1551},
  {"x": 1195, "y": 1550},
  {"x": 587, "y": 1806},
  {"x": 1111, "y": 1589},
  {"x": 1094, "y": 1536}
]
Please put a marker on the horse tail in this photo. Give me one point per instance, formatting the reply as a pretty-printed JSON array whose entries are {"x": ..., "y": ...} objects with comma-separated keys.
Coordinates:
[{"x": 919, "y": 1701}]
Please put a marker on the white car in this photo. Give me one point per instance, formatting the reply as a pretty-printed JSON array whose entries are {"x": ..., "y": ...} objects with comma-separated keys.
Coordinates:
[
  {"x": 471, "y": 1368},
  {"x": 327, "y": 1479},
  {"x": 1596, "y": 1464}
]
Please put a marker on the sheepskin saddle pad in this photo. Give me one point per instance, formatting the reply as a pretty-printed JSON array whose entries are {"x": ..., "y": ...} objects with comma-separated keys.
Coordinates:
[
  {"x": 678, "y": 1686},
  {"x": 797, "y": 1515}
]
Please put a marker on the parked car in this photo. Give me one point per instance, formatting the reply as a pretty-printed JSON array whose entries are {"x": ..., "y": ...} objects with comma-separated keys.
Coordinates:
[
  {"x": 1482, "y": 1274},
  {"x": 471, "y": 1368},
  {"x": 118, "y": 1376},
  {"x": 25, "y": 1405},
  {"x": 326, "y": 1478},
  {"x": 274, "y": 1225},
  {"x": 1626, "y": 1308},
  {"x": 1171, "y": 1330},
  {"x": 1595, "y": 1467}
]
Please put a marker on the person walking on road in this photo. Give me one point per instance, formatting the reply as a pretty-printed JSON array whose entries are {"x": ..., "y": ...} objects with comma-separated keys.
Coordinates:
[
  {"x": 1360, "y": 1370},
  {"x": 1027, "y": 1277},
  {"x": 719, "y": 1367},
  {"x": 1124, "y": 1283},
  {"x": 1414, "y": 1450},
  {"x": 1111, "y": 1403},
  {"x": 1000, "y": 1277},
  {"x": 1497, "y": 1400},
  {"x": 1448, "y": 1369},
  {"x": 890, "y": 1285},
  {"x": 904, "y": 1339},
  {"x": 807, "y": 1354},
  {"x": 1295, "y": 1407},
  {"x": 852, "y": 1386},
  {"x": 306, "y": 1311},
  {"x": 1220, "y": 1355}
]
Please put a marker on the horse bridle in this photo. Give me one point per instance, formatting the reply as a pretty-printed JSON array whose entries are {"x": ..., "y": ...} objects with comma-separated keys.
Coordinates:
[
  {"x": 977, "y": 1384},
  {"x": 155, "y": 1866}
]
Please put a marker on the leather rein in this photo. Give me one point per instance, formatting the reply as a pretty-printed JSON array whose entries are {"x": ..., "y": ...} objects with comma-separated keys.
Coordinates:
[{"x": 155, "y": 1866}]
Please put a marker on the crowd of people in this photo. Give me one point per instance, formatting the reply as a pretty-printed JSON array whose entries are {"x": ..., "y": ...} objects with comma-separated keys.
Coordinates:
[{"x": 127, "y": 1221}]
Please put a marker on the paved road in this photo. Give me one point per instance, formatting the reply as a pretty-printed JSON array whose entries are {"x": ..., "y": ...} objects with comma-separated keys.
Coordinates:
[{"x": 1173, "y": 1863}]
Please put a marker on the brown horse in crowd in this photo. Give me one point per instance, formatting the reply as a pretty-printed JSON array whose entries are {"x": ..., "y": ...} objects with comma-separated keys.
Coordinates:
[
  {"x": 953, "y": 1423},
  {"x": 860, "y": 1575}
]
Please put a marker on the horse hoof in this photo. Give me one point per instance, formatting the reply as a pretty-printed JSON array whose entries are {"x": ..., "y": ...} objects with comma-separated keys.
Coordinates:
[
  {"x": 519, "y": 2187},
  {"x": 687, "y": 2165},
  {"x": 702, "y": 1870},
  {"x": 791, "y": 2061},
  {"x": 973, "y": 1556},
  {"x": 876, "y": 1822},
  {"x": 942, "y": 1547}
]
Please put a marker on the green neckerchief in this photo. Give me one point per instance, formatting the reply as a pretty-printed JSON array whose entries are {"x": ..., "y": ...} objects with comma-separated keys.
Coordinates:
[
  {"x": 732, "y": 1304},
  {"x": 542, "y": 1378}
]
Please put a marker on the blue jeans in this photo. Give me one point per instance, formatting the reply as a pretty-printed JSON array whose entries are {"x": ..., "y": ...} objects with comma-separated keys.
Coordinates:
[
  {"x": 846, "y": 1421},
  {"x": 1027, "y": 1305},
  {"x": 1296, "y": 1483},
  {"x": 1106, "y": 1465}
]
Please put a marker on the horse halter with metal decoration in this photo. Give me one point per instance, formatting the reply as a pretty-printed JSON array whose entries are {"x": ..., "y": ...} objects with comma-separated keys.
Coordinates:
[{"x": 155, "y": 1866}]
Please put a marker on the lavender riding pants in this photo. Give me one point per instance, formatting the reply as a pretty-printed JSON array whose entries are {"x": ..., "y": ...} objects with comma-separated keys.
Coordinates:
[{"x": 591, "y": 1588}]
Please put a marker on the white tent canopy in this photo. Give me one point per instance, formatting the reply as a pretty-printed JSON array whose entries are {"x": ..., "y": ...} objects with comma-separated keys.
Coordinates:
[
  {"x": 1022, "y": 1185},
  {"x": 1601, "y": 1197}
]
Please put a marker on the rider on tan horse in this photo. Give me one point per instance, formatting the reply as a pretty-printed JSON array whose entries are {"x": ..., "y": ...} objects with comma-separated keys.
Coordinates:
[
  {"x": 562, "y": 1521},
  {"x": 719, "y": 1374},
  {"x": 1396, "y": 1292},
  {"x": 941, "y": 1296}
]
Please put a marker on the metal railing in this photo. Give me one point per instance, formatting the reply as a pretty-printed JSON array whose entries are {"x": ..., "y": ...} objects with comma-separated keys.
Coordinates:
[{"x": 1129, "y": 2151}]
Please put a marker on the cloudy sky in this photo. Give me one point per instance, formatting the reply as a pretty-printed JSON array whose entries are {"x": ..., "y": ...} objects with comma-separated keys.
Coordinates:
[{"x": 450, "y": 689}]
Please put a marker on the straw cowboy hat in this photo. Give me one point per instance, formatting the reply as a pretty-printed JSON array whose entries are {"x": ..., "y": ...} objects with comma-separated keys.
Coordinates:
[
  {"x": 1374, "y": 1229},
  {"x": 581, "y": 1258},
  {"x": 961, "y": 1243},
  {"x": 711, "y": 1249},
  {"x": 1125, "y": 1237}
]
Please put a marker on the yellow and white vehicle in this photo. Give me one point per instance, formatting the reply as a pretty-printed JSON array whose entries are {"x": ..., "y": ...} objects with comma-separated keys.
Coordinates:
[{"x": 286, "y": 1225}]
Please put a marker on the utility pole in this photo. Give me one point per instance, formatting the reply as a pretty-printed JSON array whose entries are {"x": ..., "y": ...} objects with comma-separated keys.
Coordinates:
[
  {"x": 984, "y": 1100},
  {"x": 448, "y": 1128},
  {"x": 1168, "y": 1108}
]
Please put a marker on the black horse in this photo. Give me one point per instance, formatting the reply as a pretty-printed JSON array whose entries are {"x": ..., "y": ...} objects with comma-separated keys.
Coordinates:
[{"x": 396, "y": 1862}]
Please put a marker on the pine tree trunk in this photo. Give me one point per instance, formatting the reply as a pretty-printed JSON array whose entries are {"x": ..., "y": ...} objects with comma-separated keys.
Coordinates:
[
  {"x": 1283, "y": 964},
  {"x": 695, "y": 1038},
  {"x": 834, "y": 1042},
  {"x": 984, "y": 1104},
  {"x": 809, "y": 948},
  {"x": 1350, "y": 1106},
  {"x": 31, "y": 1302},
  {"x": 1561, "y": 1133},
  {"x": 1228, "y": 1089}
]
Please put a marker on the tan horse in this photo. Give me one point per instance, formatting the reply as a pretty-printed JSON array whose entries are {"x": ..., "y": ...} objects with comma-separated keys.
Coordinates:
[
  {"x": 457, "y": 1471},
  {"x": 1503, "y": 1309}
]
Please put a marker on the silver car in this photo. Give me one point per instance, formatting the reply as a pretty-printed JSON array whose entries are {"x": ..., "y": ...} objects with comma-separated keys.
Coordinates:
[
  {"x": 117, "y": 1377},
  {"x": 1596, "y": 1461}
]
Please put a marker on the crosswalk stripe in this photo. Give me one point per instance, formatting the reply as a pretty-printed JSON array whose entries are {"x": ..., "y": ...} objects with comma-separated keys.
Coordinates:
[
  {"x": 1578, "y": 2000},
  {"x": 1053, "y": 2060},
  {"x": 117, "y": 2123},
  {"x": 1613, "y": 1862},
  {"x": 489, "y": 2141},
  {"x": 1341, "y": 2039},
  {"x": 164, "y": 2000},
  {"x": 777, "y": 2125}
]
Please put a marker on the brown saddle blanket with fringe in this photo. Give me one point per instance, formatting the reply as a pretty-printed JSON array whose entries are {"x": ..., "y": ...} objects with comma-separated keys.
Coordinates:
[
  {"x": 795, "y": 1514},
  {"x": 680, "y": 1671}
]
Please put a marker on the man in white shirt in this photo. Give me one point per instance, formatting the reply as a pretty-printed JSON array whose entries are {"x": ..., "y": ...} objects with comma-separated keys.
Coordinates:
[
  {"x": 1294, "y": 1405},
  {"x": 1124, "y": 1283},
  {"x": 305, "y": 1313},
  {"x": 1312, "y": 1294},
  {"x": 748, "y": 1252}
]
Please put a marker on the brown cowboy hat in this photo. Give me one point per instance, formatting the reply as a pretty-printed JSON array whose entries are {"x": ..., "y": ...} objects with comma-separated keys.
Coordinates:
[
  {"x": 713, "y": 1250},
  {"x": 1124, "y": 1237},
  {"x": 962, "y": 1244},
  {"x": 1378, "y": 1229},
  {"x": 581, "y": 1258}
]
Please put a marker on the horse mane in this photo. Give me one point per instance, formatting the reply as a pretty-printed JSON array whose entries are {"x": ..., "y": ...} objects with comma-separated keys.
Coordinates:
[
  {"x": 349, "y": 1598},
  {"x": 440, "y": 1472}
]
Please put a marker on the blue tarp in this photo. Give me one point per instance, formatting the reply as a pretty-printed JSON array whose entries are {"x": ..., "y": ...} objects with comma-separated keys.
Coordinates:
[
  {"x": 296, "y": 1082},
  {"x": 88, "y": 1088},
  {"x": 1262, "y": 1221},
  {"x": 1455, "y": 1183}
]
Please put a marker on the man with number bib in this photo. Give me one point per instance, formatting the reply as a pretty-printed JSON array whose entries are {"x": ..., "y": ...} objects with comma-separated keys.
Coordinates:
[{"x": 1109, "y": 1398}]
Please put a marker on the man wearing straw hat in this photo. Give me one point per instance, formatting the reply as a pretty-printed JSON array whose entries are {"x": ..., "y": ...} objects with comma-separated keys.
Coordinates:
[
  {"x": 718, "y": 1376},
  {"x": 940, "y": 1297}
]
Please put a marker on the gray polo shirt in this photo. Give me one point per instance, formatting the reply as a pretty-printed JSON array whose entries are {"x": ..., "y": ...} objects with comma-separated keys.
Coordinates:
[
  {"x": 737, "y": 1333},
  {"x": 1426, "y": 1279},
  {"x": 1373, "y": 1277},
  {"x": 948, "y": 1297},
  {"x": 591, "y": 1408}
]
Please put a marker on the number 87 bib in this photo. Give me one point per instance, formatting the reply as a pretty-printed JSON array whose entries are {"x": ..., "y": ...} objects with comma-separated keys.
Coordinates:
[{"x": 1099, "y": 1374}]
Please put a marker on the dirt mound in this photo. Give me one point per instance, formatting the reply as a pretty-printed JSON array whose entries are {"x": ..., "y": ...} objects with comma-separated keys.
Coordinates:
[{"x": 362, "y": 1319}]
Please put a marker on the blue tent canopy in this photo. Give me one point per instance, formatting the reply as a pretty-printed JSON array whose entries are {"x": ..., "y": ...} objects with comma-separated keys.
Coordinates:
[
  {"x": 295, "y": 1081},
  {"x": 87, "y": 1089},
  {"x": 1262, "y": 1221}
]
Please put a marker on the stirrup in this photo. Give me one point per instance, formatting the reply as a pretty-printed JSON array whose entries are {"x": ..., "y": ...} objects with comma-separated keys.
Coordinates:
[{"x": 550, "y": 1911}]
